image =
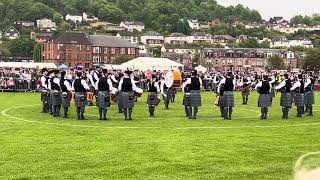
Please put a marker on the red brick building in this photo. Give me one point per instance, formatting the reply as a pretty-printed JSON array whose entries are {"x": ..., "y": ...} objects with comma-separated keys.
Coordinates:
[
  {"x": 70, "y": 48},
  {"x": 112, "y": 50}
]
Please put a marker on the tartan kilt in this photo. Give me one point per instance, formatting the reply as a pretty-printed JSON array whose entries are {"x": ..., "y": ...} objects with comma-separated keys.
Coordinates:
[
  {"x": 80, "y": 99},
  {"x": 264, "y": 100},
  {"x": 228, "y": 99},
  {"x": 49, "y": 99},
  {"x": 286, "y": 100},
  {"x": 245, "y": 91},
  {"x": 186, "y": 99},
  {"x": 125, "y": 101},
  {"x": 103, "y": 99},
  {"x": 152, "y": 99},
  {"x": 65, "y": 99},
  {"x": 273, "y": 92},
  {"x": 309, "y": 98},
  {"x": 55, "y": 98},
  {"x": 44, "y": 96},
  {"x": 221, "y": 101},
  {"x": 299, "y": 100},
  {"x": 168, "y": 92},
  {"x": 195, "y": 98}
]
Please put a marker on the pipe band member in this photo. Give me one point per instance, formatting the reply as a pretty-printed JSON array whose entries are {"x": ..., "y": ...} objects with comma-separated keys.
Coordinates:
[
  {"x": 55, "y": 94},
  {"x": 272, "y": 81},
  {"x": 309, "y": 96},
  {"x": 229, "y": 84},
  {"x": 126, "y": 96},
  {"x": 66, "y": 93},
  {"x": 104, "y": 87},
  {"x": 245, "y": 91},
  {"x": 166, "y": 93},
  {"x": 152, "y": 101},
  {"x": 286, "y": 98},
  {"x": 44, "y": 90},
  {"x": 80, "y": 87},
  {"x": 264, "y": 89},
  {"x": 186, "y": 95},
  {"x": 195, "y": 85},
  {"x": 299, "y": 90},
  {"x": 219, "y": 92}
]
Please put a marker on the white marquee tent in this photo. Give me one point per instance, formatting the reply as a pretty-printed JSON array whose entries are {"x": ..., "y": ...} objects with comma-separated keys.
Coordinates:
[
  {"x": 150, "y": 63},
  {"x": 201, "y": 69},
  {"x": 27, "y": 65}
]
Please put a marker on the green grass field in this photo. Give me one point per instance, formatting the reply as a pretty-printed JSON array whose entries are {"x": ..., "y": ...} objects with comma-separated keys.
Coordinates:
[{"x": 37, "y": 146}]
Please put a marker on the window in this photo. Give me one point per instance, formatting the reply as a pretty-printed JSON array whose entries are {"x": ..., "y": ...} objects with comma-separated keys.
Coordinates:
[
  {"x": 113, "y": 51},
  {"x": 105, "y": 51},
  {"x": 123, "y": 51},
  {"x": 88, "y": 57},
  {"x": 79, "y": 57},
  {"x": 61, "y": 56},
  {"x": 105, "y": 59},
  {"x": 69, "y": 56},
  {"x": 79, "y": 48},
  {"x": 133, "y": 51},
  {"x": 96, "y": 50},
  {"x": 113, "y": 60},
  {"x": 88, "y": 48},
  {"x": 69, "y": 48}
]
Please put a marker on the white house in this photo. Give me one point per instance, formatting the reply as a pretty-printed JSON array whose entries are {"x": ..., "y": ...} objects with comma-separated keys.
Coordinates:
[
  {"x": 76, "y": 19},
  {"x": 45, "y": 23},
  {"x": 130, "y": 26},
  {"x": 129, "y": 36},
  {"x": 12, "y": 33},
  {"x": 200, "y": 37},
  {"x": 284, "y": 42},
  {"x": 176, "y": 38},
  {"x": 194, "y": 23},
  {"x": 89, "y": 17},
  {"x": 152, "y": 39}
]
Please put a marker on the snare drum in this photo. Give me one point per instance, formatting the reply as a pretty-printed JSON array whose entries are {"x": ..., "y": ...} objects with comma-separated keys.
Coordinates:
[
  {"x": 173, "y": 79},
  {"x": 138, "y": 92}
]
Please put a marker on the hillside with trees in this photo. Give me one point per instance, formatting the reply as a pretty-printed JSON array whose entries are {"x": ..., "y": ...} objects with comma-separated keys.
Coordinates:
[{"x": 158, "y": 15}]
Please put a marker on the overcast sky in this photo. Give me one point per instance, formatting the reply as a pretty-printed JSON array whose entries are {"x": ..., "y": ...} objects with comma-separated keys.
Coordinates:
[{"x": 285, "y": 8}]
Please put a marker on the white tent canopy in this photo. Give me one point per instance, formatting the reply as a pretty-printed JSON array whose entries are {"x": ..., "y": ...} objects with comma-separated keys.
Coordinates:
[
  {"x": 112, "y": 66},
  {"x": 201, "y": 69},
  {"x": 27, "y": 65},
  {"x": 150, "y": 63}
]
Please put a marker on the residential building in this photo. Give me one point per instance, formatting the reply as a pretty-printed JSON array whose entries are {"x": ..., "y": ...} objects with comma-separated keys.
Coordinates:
[
  {"x": 176, "y": 38},
  {"x": 185, "y": 59},
  {"x": 180, "y": 50},
  {"x": 115, "y": 28},
  {"x": 130, "y": 26},
  {"x": 283, "y": 42},
  {"x": 24, "y": 24},
  {"x": 248, "y": 59},
  {"x": 242, "y": 38},
  {"x": 200, "y": 37},
  {"x": 88, "y": 17},
  {"x": 41, "y": 37},
  {"x": 194, "y": 23},
  {"x": 213, "y": 22},
  {"x": 222, "y": 39},
  {"x": 70, "y": 48},
  {"x": 11, "y": 33},
  {"x": 129, "y": 36},
  {"x": 112, "y": 50},
  {"x": 75, "y": 19},
  {"x": 45, "y": 24},
  {"x": 152, "y": 39}
]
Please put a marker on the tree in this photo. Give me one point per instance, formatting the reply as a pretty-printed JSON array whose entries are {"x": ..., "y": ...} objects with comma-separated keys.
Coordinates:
[
  {"x": 37, "y": 52},
  {"x": 276, "y": 63},
  {"x": 20, "y": 47},
  {"x": 311, "y": 61},
  {"x": 4, "y": 51},
  {"x": 65, "y": 26}
]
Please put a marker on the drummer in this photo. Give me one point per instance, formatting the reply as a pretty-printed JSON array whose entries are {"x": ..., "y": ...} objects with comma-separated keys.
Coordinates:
[
  {"x": 186, "y": 96},
  {"x": 195, "y": 85},
  {"x": 126, "y": 97},
  {"x": 166, "y": 93},
  {"x": 153, "y": 89}
]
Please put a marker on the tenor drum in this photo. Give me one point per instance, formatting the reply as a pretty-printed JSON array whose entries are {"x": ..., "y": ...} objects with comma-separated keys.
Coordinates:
[
  {"x": 138, "y": 92},
  {"x": 90, "y": 96},
  {"x": 173, "y": 79}
]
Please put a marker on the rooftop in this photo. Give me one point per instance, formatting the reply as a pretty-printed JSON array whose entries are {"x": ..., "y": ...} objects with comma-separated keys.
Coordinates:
[{"x": 110, "y": 41}]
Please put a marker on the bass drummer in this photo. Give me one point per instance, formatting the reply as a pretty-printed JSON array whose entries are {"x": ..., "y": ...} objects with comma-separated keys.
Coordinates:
[{"x": 166, "y": 92}]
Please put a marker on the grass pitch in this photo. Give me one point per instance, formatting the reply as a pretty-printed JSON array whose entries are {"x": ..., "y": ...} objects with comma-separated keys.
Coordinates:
[{"x": 37, "y": 146}]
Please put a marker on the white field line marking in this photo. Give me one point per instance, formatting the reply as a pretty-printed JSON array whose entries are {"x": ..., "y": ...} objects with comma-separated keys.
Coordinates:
[
  {"x": 4, "y": 113},
  {"x": 298, "y": 164}
]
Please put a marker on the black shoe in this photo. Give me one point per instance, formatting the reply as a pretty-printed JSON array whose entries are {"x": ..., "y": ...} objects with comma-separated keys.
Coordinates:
[
  {"x": 65, "y": 117},
  {"x": 100, "y": 119},
  {"x": 130, "y": 119},
  {"x": 310, "y": 115},
  {"x": 120, "y": 112}
]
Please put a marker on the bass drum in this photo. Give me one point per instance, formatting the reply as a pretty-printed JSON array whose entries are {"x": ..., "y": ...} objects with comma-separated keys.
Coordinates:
[
  {"x": 138, "y": 92},
  {"x": 173, "y": 79}
]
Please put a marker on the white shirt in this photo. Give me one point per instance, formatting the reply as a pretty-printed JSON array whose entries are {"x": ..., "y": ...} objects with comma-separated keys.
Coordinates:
[
  {"x": 134, "y": 87},
  {"x": 90, "y": 77},
  {"x": 189, "y": 82},
  {"x": 109, "y": 83},
  {"x": 84, "y": 84},
  {"x": 259, "y": 84},
  {"x": 113, "y": 78},
  {"x": 296, "y": 85},
  {"x": 307, "y": 83},
  {"x": 43, "y": 82},
  {"x": 281, "y": 85},
  {"x": 223, "y": 81},
  {"x": 67, "y": 84}
]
